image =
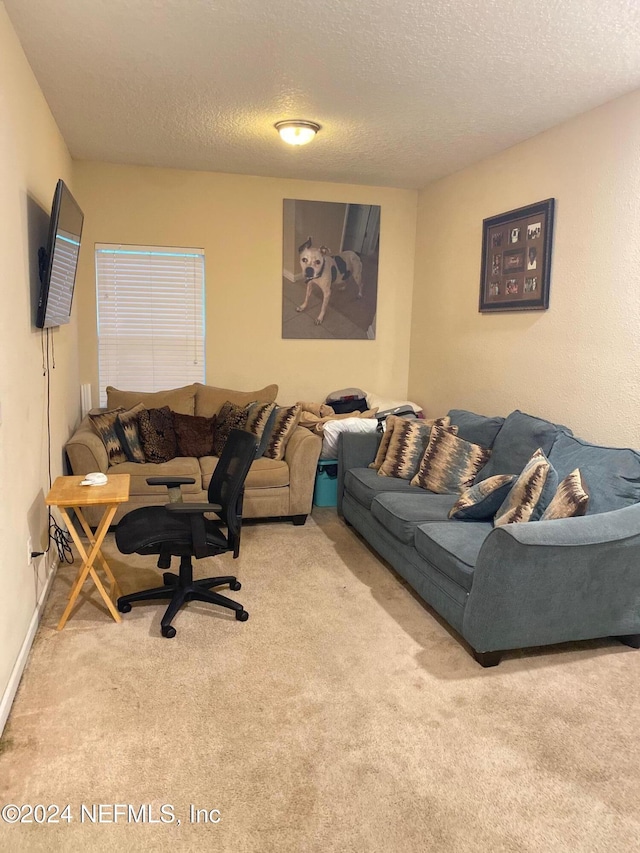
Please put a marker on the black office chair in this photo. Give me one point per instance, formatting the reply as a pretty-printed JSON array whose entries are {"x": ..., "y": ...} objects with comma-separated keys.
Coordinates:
[{"x": 181, "y": 530}]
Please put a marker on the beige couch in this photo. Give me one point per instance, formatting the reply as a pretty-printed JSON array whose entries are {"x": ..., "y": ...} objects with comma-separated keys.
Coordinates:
[{"x": 273, "y": 488}]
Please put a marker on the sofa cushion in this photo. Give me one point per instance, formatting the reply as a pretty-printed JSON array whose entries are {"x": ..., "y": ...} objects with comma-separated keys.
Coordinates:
[
  {"x": 570, "y": 499},
  {"x": 531, "y": 493},
  {"x": 263, "y": 474},
  {"x": 452, "y": 548},
  {"x": 449, "y": 464},
  {"x": 178, "y": 399},
  {"x": 519, "y": 437},
  {"x": 209, "y": 399},
  {"x": 180, "y": 466},
  {"x": 478, "y": 429},
  {"x": 157, "y": 435},
  {"x": 482, "y": 500},
  {"x": 364, "y": 485},
  {"x": 401, "y": 513},
  {"x": 611, "y": 475}
]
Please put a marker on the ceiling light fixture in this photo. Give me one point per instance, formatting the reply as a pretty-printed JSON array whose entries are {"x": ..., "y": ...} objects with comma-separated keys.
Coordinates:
[{"x": 297, "y": 132}]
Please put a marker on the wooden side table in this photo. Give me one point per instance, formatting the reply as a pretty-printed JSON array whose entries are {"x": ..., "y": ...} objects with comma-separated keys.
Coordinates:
[{"x": 67, "y": 493}]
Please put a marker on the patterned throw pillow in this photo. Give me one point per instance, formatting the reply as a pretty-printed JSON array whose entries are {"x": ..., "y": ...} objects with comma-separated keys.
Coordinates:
[
  {"x": 260, "y": 421},
  {"x": 531, "y": 492},
  {"x": 570, "y": 498},
  {"x": 194, "y": 434},
  {"x": 406, "y": 447},
  {"x": 285, "y": 423},
  {"x": 449, "y": 464},
  {"x": 483, "y": 499},
  {"x": 390, "y": 424},
  {"x": 127, "y": 431},
  {"x": 157, "y": 434},
  {"x": 229, "y": 417},
  {"x": 105, "y": 425}
]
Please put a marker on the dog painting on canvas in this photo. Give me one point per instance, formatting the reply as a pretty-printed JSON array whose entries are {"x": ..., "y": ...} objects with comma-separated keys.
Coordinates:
[{"x": 325, "y": 270}]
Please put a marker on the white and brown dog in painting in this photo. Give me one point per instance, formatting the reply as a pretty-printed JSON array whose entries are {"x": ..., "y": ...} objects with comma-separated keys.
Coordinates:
[{"x": 320, "y": 267}]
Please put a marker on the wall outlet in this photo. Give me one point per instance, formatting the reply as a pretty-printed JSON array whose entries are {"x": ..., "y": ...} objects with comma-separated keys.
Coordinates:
[{"x": 29, "y": 550}]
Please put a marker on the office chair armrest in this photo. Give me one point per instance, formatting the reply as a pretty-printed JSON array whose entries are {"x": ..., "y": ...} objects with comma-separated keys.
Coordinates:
[
  {"x": 192, "y": 508},
  {"x": 198, "y": 528},
  {"x": 170, "y": 481}
]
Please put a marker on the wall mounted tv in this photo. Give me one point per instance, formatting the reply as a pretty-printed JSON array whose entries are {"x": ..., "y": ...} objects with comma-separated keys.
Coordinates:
[{"x": 59, "y": 260}]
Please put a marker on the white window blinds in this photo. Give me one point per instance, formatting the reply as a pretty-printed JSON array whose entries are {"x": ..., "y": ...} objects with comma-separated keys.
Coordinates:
[{"x": 150, "y": 317}]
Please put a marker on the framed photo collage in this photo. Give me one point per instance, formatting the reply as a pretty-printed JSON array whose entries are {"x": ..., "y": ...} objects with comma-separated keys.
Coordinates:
[{"x": 516, "y": 259}]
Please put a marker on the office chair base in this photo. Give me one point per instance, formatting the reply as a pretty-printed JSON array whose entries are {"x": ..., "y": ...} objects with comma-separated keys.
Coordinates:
[
  {"x": 182, "y": 588},
  {"x": 171, "y": 579}
]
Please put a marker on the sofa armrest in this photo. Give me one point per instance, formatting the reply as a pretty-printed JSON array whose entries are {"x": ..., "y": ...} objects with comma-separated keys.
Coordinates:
[
  {"x": 86, "y": 451},
  {"x": 301, "y": 455},
  {"x": 551, "y": 581},
  {"x": 355, "y": 450}
]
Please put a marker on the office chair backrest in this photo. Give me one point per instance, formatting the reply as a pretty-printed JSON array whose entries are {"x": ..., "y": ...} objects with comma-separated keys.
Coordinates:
[{"x": 227, "y": 483}]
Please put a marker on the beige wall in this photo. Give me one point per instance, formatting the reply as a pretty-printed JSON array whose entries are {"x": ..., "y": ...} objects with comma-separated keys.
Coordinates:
[
  {"x": 237, "y": 219},
  {"x": 32, "y": 157},
  {"x": 579, "y": 362}
]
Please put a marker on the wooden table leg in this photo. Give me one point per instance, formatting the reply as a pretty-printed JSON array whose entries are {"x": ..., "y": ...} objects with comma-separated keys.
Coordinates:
[
  {"x": 115, "y": 590},
  {"x": 88, "y": 561}
]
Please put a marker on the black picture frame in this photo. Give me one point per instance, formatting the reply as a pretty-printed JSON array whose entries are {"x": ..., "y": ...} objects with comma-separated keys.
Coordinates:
[{"x": 516, "y": 259}]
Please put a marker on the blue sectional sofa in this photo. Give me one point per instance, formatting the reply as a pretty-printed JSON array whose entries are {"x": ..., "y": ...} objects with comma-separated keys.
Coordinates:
[{"x": 517, "y": 585}]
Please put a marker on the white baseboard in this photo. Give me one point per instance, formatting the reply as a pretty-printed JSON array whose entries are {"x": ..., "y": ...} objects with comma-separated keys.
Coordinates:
[
  {"x": 12, "y": 687},
  {"x": 293, "y": 276}
]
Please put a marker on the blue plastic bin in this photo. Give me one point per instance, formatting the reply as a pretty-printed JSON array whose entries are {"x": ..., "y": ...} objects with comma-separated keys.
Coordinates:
[{"x": 325, "y": 492}]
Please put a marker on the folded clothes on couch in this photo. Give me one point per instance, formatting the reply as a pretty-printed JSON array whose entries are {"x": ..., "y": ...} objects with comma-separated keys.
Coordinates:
[{"x": 315, "y": 416}]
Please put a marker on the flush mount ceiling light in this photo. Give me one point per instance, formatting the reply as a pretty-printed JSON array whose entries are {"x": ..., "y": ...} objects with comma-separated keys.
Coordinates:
[{"x": 297, "y": 132}]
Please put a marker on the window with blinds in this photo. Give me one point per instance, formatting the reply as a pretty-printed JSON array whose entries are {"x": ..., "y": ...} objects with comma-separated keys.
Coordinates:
[{"x": 150, "y": 317}]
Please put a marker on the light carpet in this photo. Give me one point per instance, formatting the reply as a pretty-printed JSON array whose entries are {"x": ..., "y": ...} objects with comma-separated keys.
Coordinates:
[{"x": 343, "y": 716}]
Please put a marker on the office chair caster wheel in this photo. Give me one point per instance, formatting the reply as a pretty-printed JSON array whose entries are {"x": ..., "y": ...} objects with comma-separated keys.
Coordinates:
[
  {"x": 123, "y": 606},
  {"x": 169, "y": 631},
  {"x": 235, "y": 586},
  {"x": 168, "y": 578},
  {"x": 242, "y": 615}
]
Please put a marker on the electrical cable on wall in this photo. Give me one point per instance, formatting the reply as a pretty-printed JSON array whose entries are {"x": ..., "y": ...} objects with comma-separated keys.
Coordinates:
[{"x": 57, "y": 534}]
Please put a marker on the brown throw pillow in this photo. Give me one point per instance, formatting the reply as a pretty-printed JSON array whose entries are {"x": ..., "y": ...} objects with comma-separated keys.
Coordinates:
[
  {"x": 384, "y": 442},
  {"x": 105, "y": 425},
  {"x": 127, "y": 431},
  {"x": 157, "y": 434},
  {"x": 449, "y": 464},
  {"x": 194, "y": 435},
  {"x": 285, "y": 423},
  {"x": 229, "y": 417}
]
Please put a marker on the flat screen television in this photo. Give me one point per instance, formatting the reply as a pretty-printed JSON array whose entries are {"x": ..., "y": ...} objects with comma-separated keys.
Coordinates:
[{"x": 59, "y": 260}]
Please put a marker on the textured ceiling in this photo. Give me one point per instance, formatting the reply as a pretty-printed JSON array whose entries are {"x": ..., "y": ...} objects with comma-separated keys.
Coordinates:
[{"x": 405, "y": 91}]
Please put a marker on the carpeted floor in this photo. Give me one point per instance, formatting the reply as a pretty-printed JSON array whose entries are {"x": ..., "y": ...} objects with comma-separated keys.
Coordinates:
[{"x": 343, "y": 716}]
